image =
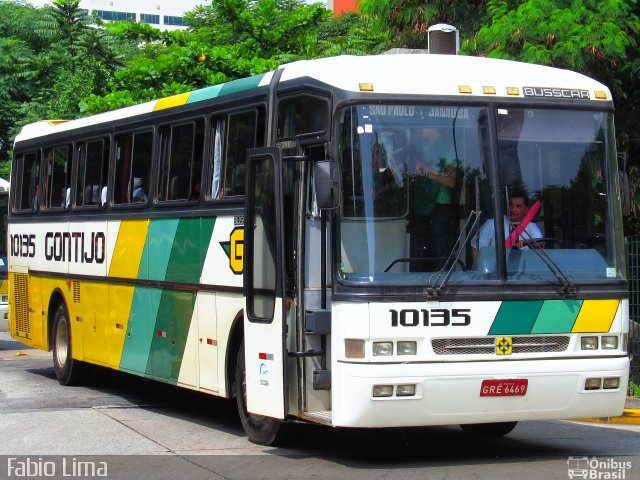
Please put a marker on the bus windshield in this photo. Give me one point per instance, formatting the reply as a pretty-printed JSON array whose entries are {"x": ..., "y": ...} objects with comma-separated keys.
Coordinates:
[{"x": 418, "y": 196}]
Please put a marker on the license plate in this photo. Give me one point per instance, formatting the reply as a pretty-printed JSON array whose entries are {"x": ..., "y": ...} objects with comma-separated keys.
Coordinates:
[{"x": 504, "y": 388}]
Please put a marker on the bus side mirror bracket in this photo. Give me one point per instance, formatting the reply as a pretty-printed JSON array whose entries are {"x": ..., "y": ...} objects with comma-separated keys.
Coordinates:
[{"x": 326, "y": 183}]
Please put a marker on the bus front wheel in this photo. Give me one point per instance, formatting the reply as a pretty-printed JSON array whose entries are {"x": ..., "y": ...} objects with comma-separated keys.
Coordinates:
[
  {"x": 260, "y": 429},
  {"x": 68, "y": 371},
  {"x": 489, "y": 429}
]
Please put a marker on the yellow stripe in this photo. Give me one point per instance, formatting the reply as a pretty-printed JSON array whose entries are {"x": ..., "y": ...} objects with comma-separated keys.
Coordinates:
[
  {"x": 129, "y": 247},
  {"x": 120, "y": 298},
  {"x": 170, "y": 102},
  {"x": 596, "y": 316}
]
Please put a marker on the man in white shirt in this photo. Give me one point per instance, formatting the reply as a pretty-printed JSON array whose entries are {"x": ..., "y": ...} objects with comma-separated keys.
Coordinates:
[{"x": 518, "y": 209}]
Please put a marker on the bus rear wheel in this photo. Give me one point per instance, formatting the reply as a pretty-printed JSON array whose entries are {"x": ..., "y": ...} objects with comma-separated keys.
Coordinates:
[
  {"x": 260, "y": 429},
  {"x": 489, "y": 429},
  {"x": 68, "y": 371}
]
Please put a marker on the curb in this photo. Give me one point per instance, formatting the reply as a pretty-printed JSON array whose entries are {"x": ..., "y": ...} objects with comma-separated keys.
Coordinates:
[{"x": 630, "y": 416}]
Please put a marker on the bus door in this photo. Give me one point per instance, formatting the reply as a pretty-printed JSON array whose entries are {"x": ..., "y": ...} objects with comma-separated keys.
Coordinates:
[{"x": 264, "y": 327}]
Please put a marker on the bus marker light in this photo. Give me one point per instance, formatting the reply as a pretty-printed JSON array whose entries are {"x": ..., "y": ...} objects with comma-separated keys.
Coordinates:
[
  {"x": 407, "y": 348},
  {"x": 405, "y": 390},
  {"x": 589, "y": 343},
  {"x": 610, "y": 342},
  {"x": 382, "y": 348},
  {"x": 600, "y": 95},
  {"x": 162, "y": 334},
  {"x": 611, "y": 383},
  {"x": 464, "y": 89},
  {"x": 353, "y": 348},
  {"x": 366, "y": 87},
  {"x": 382, "y": 390},
  {"x": 513, "y": 91},
  {"x": 593, "y": 384},
  {"x": 489, "y": 90}
]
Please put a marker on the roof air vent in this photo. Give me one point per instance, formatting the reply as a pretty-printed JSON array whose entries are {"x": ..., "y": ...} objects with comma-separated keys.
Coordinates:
[{"x": 443, "y": 39}]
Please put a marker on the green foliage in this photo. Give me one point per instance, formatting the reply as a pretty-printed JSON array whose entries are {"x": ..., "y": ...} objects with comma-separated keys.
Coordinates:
[
  {"x": 410, "y": 19},
  {"x": 634, "y": 389},
  {"x": 597, "y": 38}
]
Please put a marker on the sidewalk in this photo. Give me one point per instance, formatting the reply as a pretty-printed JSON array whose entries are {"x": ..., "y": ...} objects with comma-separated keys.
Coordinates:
[{"x": 630, "y": 416}]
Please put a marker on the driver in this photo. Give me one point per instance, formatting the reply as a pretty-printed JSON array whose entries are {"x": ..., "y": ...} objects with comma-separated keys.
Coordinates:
[{"x": 518, "y": 231}]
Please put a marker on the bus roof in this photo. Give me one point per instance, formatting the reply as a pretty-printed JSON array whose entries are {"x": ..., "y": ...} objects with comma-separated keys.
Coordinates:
[{"x": 409, "y": 74}]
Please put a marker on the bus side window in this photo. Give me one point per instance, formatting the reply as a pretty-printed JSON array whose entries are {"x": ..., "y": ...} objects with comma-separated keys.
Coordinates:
[
  {"x": 28, "y": 198},
  {"x": 181, "y": 149},
  {"x": 57, "y": 181},
  {"x": 93, "y": 166},
  {"x": 133, "y": 167},
  {"x": 245, "y": 130}
]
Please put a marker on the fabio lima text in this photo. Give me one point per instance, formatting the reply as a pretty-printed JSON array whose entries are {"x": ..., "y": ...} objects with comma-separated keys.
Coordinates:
[{"x": 61, "y": 467}]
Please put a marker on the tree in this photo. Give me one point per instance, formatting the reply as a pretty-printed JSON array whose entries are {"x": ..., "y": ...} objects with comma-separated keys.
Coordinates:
[
  {"x": 597, "y": 38},
  {"x": 410, "y": 19}
]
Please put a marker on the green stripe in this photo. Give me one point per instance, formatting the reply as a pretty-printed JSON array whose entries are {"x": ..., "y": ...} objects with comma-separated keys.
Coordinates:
[
  {"x": 557, "y": 316},
  {"x": 172, "y": 329},
  {"x": 140, "y": 330},
  {"x": 189, "y": 250},
  {"x": 233, "y": 86},
  {"x": 160, "y": 240},
  {"x": 241, "y": 84},
  {"x": 516, "y": 318},
  {"x": 204, "y": 94}
]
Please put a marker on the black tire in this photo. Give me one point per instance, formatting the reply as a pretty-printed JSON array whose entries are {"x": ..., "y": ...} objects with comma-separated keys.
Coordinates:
[
  {"x": 489, "y": 429},
  {"x": 68, "y": 371},
  {"x": 260, "y": 429}
]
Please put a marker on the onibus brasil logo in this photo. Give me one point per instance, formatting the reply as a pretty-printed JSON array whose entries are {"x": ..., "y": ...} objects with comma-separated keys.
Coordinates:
[{"x": 594, "y": 468}]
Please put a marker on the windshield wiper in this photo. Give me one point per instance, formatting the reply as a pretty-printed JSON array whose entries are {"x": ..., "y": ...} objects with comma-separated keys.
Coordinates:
[
  {"x": 436, "y": 281},
  {"x": 435, "y": 284},
  {"x": 567, "y": 287}
]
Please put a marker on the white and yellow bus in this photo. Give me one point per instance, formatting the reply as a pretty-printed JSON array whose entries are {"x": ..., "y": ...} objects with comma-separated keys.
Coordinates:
[{"x": 311, "y": 242}]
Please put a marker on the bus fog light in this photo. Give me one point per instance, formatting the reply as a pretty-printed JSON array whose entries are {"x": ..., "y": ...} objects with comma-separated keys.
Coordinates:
[
  {"x": 353, "y": 348},
  {"x": 382, "y": 349},
  {"x": 405, "y": 390},
  {"x": 382, "y": 390},
  {"x": 610, "y": 342},
  {"x": 593, "y": 384},
  {"x": 611, "y": 383},
  {"x": 589, "y": 343},
  {"x": 407, "y": 348}
]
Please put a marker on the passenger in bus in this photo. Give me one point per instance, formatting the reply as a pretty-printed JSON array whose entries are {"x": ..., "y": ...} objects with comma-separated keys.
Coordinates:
[
  {"x": 519, "y": 229},
  {"x": 139, "y": 195},
  {"x": 433, "y": 177}
]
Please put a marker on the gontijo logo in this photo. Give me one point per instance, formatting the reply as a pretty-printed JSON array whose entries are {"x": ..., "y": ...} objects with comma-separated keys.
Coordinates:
[{"x": 234, "y": 249}]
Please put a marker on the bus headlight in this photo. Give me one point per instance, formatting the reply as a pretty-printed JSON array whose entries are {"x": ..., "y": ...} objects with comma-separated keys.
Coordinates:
[
  {"x": 405, "y": 390},
  {"x": 407, "y": 348},
  {"x": 611, "y": 383},
  {"x": 593, "y": 384},
  {"x": 589, "y": 343},
  {"x": 382, "y": 390},
  {"x": 382, "y": 349},
  {"x": 609, "y": 342}
]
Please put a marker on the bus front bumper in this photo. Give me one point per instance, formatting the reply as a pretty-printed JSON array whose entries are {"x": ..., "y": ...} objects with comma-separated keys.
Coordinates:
[{"x": 450, "y": 393}]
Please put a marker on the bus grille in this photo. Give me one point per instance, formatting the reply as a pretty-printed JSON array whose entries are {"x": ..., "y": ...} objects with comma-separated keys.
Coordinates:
[
  {"x": 486, "y": 345},
  {"x": 21, "y": 305}
]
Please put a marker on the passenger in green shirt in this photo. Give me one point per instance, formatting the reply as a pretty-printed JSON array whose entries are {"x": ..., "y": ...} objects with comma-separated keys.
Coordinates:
[{"x": 433, "y": 177}]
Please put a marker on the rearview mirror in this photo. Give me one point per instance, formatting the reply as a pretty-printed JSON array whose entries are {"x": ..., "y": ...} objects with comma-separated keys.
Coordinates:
[{"x": 326, "y": 183}]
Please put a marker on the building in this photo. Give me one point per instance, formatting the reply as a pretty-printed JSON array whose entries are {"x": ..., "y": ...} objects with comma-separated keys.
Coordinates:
[
  {"x": 162, "y": 14},
  {"x": 342, "y": 6}
]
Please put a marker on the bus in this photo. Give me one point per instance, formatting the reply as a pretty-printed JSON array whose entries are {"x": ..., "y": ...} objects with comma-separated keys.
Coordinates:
[{"x": 311, "y": 242}]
